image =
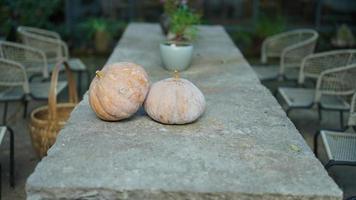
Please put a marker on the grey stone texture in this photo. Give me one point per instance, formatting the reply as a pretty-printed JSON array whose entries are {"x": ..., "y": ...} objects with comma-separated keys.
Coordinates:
[{"x": 243, "y": 147}]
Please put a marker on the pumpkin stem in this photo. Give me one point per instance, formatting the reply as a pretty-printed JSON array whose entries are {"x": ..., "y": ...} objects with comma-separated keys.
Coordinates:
[
  {"x": 176, "y": 74},
  {"x": 99, "y": 74}
]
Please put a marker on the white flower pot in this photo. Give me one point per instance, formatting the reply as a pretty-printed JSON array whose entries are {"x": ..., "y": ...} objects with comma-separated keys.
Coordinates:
[{"x": 176, "y": 57}]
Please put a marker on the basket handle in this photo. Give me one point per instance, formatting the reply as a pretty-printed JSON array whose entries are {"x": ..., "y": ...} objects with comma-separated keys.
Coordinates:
[{"x": 52, "y": 97}]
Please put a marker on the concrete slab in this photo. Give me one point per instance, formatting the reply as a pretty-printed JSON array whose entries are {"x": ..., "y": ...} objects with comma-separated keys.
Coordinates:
[{"x": 243, "y": 147}]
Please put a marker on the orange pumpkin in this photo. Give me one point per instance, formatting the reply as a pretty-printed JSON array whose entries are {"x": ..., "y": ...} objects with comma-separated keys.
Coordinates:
[
  {"x": 118, "y": 91},
  {"x": 174, "y": 101}
]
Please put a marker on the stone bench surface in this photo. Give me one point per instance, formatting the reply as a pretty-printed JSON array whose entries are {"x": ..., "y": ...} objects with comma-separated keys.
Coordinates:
[{"x": 243, "y": 147}]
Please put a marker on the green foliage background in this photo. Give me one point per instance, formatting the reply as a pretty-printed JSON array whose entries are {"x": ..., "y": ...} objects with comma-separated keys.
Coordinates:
[
  {"x": 39, "y": 13},
  {"x": 92, "y": 25}
]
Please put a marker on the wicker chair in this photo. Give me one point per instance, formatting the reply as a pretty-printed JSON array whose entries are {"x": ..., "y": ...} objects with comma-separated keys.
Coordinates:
[
  {"x": 290, "y": 47},
  {"x": 332, "y": 85},
  {"x": 55, "y": 49},
  {"x": 47, "y": 41},
  {"x": 14, "y": 86},
  {"x": 351, "y": 123},
  {"x": 34, "y": 60},
  {"x": 313, "y": 65},
  {"x": 340, "y": 148}
]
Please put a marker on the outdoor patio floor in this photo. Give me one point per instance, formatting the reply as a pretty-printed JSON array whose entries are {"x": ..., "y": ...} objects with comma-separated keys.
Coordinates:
[{"x": 306, "y": 122}]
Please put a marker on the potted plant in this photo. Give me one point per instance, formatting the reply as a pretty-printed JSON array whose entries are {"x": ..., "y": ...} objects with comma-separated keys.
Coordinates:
[
  {"x": 344, "y": 37},
  {"x": 102, "y": 31},
  {"x": 177, "y": 52}
]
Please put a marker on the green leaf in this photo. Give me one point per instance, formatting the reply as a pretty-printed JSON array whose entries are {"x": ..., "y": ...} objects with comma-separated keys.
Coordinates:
[
  {"x": 182, "y": 24},
  {"x": 295, "y": 148}
]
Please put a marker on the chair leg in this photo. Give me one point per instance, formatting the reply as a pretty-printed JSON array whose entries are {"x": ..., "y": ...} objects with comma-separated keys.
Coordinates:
[
  {"x": 5, "y": 113},
  {"x": 12, "y": 160},
  {"x": 341, "y": 119},
  {"x": 288, "y": 111},
  {"x": 320, "y": 113},
  {"x": 316, "y": 136},
  {"x": 275, "y": 93},
  {"x": 296, "y": 84},
  {"x": 25, "y": 104}
]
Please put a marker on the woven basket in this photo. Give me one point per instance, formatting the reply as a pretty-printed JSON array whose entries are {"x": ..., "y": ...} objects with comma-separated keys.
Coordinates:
[{"x": 47, "y": 121}]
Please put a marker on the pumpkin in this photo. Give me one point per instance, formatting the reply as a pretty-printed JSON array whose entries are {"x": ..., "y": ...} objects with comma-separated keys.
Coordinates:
[
  {"x": 174, "y": 101},
  {"x": 118, "y": 91}
]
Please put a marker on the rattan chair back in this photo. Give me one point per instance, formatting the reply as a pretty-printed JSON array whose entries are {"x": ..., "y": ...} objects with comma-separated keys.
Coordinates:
[
  {"x": 337, "y": 81},
  {"x": 13, "y": 74},
  {"x": 48, "y": 41},
  {"x": 302, "y": 39},
  {"x": 313, "y": 65},
  {"x": 33, "y": 60}
]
